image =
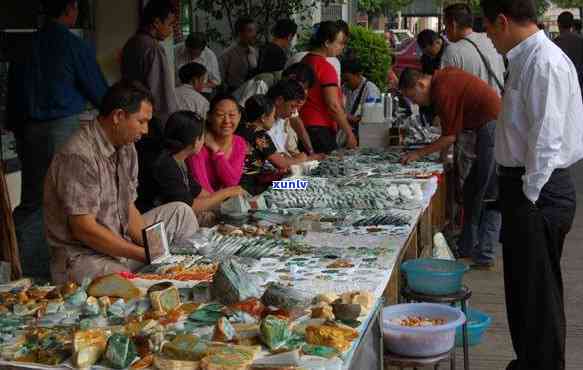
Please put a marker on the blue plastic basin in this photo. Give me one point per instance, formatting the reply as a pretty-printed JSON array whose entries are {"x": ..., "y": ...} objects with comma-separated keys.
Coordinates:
[
  {"x": 478, "y": 323},
  {"x": 434, "y": 276}
]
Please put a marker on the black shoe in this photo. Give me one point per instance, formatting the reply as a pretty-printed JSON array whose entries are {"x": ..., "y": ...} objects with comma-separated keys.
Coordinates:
[
  {"x": 489, "y": 266},
  {"x": 460, "y": 255}
]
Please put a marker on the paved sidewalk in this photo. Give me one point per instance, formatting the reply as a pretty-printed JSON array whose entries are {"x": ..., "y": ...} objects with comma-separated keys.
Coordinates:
[{"x": 496, "y": 350}]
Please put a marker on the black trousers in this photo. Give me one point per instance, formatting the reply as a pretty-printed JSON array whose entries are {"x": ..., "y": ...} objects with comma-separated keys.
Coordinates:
[
  {"x": 532, "y": 239},
  {"x": 323, "y": 139}
]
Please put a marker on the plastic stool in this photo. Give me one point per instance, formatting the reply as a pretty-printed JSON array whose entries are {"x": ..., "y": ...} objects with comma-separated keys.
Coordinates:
[
  {"x": 461, "y": 296},
  {"x": 412, "y": 362}
]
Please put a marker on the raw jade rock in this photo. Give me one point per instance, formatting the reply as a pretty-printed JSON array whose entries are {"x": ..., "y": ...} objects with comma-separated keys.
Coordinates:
[
  {"x": 274, "y": 332},
  {"x": 206, "y": 315},
  {"x": 233, "y": 284},
  {"x": 280, "y": 296},
  {"x": 120, "y": 352}
]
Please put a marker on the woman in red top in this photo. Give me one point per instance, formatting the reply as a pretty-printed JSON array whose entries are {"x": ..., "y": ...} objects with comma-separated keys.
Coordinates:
[{"x": 323, "y": 112}]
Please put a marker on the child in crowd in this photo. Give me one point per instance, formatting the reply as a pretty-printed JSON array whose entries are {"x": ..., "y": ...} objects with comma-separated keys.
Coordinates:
[
  {"x": 358, "y": 90},
  {"x": 193, "y": 77}
]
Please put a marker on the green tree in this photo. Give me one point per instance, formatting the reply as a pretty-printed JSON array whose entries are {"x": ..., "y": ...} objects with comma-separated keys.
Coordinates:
[
  {"x": 372, "y": 52},
  {"x": 374, "y": 7},
  {"x": 265, "y": 12},
  {"x": 393, "y": 6},
  {"x": 568, "y": 3},
  {"x": 371, "y": 7},
  {"x": 542, "y": 5}
]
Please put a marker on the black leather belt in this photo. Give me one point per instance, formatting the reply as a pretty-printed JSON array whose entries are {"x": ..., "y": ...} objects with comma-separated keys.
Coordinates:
[{"x": 511, "y": 171}]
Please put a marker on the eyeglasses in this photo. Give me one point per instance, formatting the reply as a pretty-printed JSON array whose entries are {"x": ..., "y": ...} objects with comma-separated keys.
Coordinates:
[{"x": 232, "y": 115}]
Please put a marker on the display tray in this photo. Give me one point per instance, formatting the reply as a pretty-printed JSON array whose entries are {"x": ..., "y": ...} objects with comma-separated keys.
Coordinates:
[{"x": 348, "y": 253}]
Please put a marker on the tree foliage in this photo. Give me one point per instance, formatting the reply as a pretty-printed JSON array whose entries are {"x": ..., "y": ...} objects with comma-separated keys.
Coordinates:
[
  {"x": 568, "y": 3},
  {"x": 393, "y": 6},
  {"x": 542, "y": 5},
  {"x": 265, "y": 13},
  {"x": 373, "y": 7},
  {"x": 372, "y": 52}
]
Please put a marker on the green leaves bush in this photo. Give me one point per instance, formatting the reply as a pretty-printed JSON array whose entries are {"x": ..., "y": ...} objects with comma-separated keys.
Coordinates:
[{"x": 373, "y": 53}]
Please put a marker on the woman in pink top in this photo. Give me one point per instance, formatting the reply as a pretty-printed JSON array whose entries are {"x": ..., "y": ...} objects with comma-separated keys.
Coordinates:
[{"x": 220, "y": 162}]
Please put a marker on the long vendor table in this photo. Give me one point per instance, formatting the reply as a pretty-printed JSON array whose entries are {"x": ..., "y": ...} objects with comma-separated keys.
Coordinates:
[{"x": 374, "y": 257}]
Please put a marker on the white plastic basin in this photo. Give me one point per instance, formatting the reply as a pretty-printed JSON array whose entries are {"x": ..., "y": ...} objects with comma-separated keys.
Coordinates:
[{"x": 424, "y": 341}]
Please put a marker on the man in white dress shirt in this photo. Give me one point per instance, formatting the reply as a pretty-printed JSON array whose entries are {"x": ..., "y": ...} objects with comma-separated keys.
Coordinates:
[
  {"x": 538, "y": 137},
  {"x": 195, "y": 49}
]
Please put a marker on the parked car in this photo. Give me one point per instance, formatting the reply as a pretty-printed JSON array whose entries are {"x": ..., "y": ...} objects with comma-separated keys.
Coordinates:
[
  {"x": 395, "y": 38},
  {"x": 408, "y": 55},
  {"x": 399, "y": 37}
]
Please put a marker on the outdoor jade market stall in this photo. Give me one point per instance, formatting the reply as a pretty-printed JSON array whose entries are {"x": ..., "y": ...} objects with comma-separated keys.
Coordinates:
[{"x": 299, "y": 283}]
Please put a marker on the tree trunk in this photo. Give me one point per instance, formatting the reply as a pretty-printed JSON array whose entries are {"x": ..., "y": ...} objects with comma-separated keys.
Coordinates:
[
  {"x": 268, "y": 7},
  {"x": 227, "y": 10}
]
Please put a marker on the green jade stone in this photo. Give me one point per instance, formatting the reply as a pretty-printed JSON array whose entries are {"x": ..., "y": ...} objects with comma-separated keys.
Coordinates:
[{"x": 120, "y": 352}]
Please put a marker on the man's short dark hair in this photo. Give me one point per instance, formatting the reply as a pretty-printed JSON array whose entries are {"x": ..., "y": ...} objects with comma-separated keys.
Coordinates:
[
  {"x": 409, "y": 78},
  {"x": 460, "y": 14},
  {"x": 577, "y": 24},
  {"x": 426, "y": 38},
  {"x": 300, "y": 72},
  {"x": 257, "y": 106},
  {"x": 242, "y": 23},
  {"x": 352, "y": 66},
  {"x": 56, "y": 8},
  {"x": 190, "y": 71},
  {"x": 284, "y": 28},
  {"x": 182, "y": 129},
  {"x": 157, "y": 9},
  {"x": 196, "y": 41},
  {"x": 565, "y": 20},
  {"x": 518, "y": 10},
  {"x": 288, "y": 90},
  {"x": 125, "y": 95}
]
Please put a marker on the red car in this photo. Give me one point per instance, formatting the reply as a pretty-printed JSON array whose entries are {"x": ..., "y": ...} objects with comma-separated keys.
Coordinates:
[{"x": 408, "y": 55}]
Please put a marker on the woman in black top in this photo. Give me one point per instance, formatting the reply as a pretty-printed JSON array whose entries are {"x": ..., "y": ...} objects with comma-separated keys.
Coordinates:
[
  {"x": 432, "y": 45},
  {"x": 183, "y": 137}
]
